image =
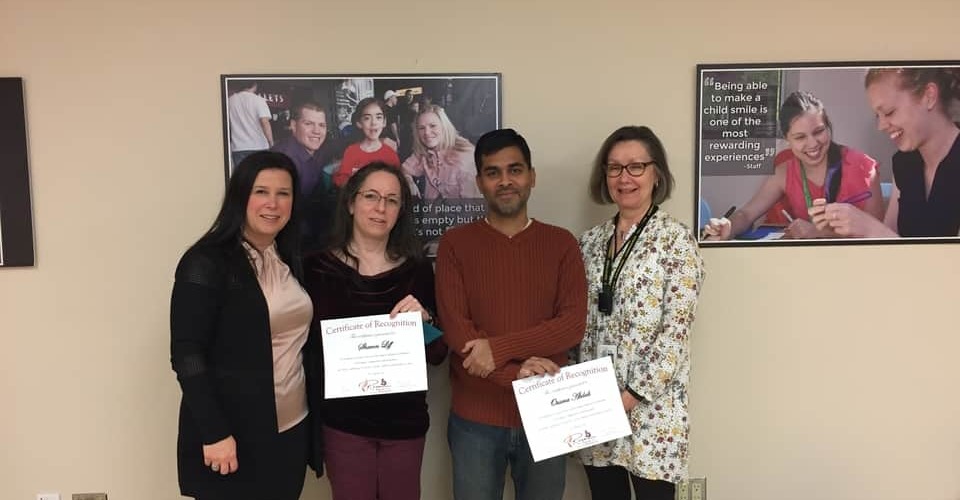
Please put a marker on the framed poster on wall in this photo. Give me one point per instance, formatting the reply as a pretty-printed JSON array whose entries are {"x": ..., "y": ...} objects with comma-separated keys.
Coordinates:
[
  {"x": 828, "y": 153},
  {"x": 425, "y": 124},
  {"x": 16, "y": 219}
]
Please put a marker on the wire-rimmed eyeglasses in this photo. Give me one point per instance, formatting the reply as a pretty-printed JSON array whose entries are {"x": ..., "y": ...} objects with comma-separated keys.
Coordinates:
[{"x": 373, "y": 198}]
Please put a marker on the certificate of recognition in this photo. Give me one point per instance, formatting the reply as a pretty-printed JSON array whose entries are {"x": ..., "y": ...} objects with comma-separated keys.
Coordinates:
[
  {"x": 578, "y": 407},
  {"x": 370, "y": 355}
]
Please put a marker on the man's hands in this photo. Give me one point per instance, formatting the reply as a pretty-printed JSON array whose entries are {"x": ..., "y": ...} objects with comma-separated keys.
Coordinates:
[
  {"x": 537, "y": 366},
  {"x": 479, "y": 361}
]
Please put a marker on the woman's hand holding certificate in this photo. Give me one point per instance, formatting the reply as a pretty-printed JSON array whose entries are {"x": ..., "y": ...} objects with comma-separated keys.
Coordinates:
[{"x": 370, "y": 355}]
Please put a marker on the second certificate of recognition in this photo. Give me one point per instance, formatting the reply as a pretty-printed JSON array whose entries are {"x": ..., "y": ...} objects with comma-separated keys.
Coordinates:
[
  {"x": 578, "y": 407},
  {"x": 370, "y": 355}
]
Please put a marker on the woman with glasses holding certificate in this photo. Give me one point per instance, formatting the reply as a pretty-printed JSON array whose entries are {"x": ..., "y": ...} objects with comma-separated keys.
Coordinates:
[
  {"x": 644, "y": 274},
  {"x": 374, "y": 444}
]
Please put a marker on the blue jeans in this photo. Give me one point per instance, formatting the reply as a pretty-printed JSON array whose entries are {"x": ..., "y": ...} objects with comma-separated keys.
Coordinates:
[{"x": 480, "y": 455}]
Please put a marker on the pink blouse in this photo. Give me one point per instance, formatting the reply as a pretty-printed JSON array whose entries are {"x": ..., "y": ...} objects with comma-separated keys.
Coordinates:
[
  {"x": 856, "y": 171},
  {"x": 290, "y": 315},
  {"x": 448, "y": 176}
]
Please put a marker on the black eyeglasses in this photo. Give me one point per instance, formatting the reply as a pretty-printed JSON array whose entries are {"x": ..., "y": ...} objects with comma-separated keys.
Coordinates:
[{"x": 635, "y": 169}]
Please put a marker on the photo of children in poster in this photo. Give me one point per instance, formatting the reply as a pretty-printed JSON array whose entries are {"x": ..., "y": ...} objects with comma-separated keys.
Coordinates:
[
  {"x": 828, "y": 153},
  {"x": 332, "y": 125}
]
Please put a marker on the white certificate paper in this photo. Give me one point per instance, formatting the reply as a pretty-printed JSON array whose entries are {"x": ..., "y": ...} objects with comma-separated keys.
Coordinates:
[
  {"x": 370, "y": 355},
  {"x": 578, "y": 407}
]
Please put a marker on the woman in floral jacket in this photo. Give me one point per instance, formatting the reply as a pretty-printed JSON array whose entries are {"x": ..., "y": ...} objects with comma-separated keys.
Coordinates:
[{"x": 644, "y": 274}]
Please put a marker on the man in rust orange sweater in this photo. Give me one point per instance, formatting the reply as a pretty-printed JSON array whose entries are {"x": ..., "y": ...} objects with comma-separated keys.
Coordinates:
[{"x": 511, "y": 296}]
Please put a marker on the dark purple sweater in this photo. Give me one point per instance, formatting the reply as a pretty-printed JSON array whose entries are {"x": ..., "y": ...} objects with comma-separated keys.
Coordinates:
[{"x": 339, "y": 291}]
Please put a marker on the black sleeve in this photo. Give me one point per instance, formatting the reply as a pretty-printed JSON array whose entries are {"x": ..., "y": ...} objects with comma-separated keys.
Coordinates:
[
  {"x": 313, "y": 366},
  {"x": 313, "y": 283},
  {"x": 194, "y": 311}
]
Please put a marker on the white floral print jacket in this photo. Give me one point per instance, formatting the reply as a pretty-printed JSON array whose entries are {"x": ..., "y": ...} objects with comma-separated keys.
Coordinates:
[{"x": 654, "y": 303}]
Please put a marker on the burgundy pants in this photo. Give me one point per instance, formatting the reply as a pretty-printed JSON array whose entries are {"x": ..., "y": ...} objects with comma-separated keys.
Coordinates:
[{"x": 362, "y": 468}]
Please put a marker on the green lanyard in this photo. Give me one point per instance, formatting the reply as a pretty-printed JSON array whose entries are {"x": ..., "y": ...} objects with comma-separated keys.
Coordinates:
[
  {"x": 831, "y": 171},
  {"x": 608, "y": 279},
  {"x": 806, "y": 189}
]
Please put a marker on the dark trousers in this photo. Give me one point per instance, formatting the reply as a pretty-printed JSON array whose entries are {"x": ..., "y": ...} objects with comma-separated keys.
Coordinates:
[
  {"x": 275, "y": 472},
  {"x": 363, "y": 468},
  {"x": 613, "y": 483}
]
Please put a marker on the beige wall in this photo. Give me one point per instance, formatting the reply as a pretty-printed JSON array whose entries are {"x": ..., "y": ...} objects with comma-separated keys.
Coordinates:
[{"x": 825, "y": 373}]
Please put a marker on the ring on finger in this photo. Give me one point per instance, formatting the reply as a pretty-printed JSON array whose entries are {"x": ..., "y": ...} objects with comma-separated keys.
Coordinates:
[{"x": 214, "y": 467}]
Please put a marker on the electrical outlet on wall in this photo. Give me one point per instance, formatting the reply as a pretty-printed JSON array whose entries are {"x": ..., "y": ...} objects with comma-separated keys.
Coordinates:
[
  {"x": 698, "y": 488},
  {"x": 89, "y": 496},
  {"x": 48, "y": 496},
  {"x": 683, "y": 490}
]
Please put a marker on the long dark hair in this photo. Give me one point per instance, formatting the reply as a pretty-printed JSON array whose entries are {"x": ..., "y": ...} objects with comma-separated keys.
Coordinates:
[
  {"x": 227, "y": 229},
  {"x": 402, "y": 242},
  {"x": 358, "y": 114},
  {"x": 801, "y": 102}
]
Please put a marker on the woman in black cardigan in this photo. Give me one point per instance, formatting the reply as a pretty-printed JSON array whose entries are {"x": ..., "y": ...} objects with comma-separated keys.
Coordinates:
[{"x": 239, "y": 323}]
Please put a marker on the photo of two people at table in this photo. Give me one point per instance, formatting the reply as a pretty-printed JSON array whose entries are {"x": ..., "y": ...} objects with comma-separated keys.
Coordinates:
[{"x": 852, "y": 124}]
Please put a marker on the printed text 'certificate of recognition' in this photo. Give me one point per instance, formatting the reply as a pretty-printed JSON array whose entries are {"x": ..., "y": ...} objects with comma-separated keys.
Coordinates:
[
  {"x": 369, "y": 355},
  {"x": 578, "y": 407}
]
